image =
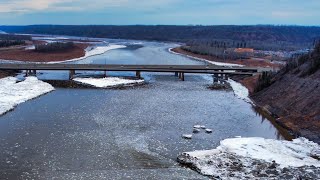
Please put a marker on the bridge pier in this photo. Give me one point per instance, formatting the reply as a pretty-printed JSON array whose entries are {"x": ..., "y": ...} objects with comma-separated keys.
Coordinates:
[
  {"x": 71, "y": 74},
  {"x": 176, "y": 74},
  {"x": 181, "y": 76},
  {"x": 105, "y": 74},
  {"x": 138, "y": 74}
]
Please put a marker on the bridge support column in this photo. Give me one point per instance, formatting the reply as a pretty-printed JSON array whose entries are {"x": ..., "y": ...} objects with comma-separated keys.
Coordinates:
[
  {"x": 215, "y": 78},
  {"x": 27, "y": 73},
  {"x": 176, "y": 74},
  {"x": 104, "y": 73},
  {"x": 71, "y": 74},
  {"x": 138, "y": 74},
  {"x": 182, "y": 76}
]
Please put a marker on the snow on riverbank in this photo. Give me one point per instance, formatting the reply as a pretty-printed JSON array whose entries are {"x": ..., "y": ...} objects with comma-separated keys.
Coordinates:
[
  {"x": 252, "y": 157},
  {"x": 210, "y": 62},
  {"x": 239, "y": 90},
  {"x": 13, "y": 93},
  {"x": 93, "y": 52},
  {"x": 107, "y": 82}
]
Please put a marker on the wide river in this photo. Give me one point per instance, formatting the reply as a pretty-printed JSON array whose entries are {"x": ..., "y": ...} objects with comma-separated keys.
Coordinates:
[{"x": 133, "y": 133}]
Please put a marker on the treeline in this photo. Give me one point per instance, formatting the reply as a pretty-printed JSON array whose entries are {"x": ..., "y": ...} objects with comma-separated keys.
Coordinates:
[
  {"x": 222, "y": 49},
  {"x": 310, "y": 62},
  {"x": 305, "y": 65},
  {"x": 54, "y": 47},
  {"x": 8, "y": 43},
  {"x": 292, "y": 35},
  {"x": 14, "y": 37}
]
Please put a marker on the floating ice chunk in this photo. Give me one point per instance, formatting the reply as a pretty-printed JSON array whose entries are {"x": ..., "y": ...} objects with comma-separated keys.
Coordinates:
[
  {"x": 107, "y": 82},
  {"x": 203, "y": 127},
  {"x": 187, "y": 136},
  {"x": 208, "y": 131},
  {"x": 195, "y": 130},
  {"x": 197, "y": 126}
]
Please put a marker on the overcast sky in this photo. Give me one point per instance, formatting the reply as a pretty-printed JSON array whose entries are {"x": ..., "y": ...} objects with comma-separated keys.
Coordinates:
[{"x": 180, "y": 12}]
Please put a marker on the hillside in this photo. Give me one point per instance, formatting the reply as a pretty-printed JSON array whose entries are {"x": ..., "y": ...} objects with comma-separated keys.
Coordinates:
[
  {"x": 296, "y": 35},
  {"x": 294, "y": 96}
]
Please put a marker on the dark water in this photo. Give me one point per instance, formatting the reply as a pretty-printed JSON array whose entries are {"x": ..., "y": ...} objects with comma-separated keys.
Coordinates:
[{"x": 123, "y": 134}]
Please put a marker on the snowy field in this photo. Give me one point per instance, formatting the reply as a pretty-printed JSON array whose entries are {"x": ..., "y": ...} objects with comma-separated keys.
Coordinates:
[
  {"x": 93, "y": 52},
  {"x": 210, "y": 62},
  {"x": 241, "y": 158},
  {"x": 107, "y": 82},
  {"x": 13, "y": 93}
]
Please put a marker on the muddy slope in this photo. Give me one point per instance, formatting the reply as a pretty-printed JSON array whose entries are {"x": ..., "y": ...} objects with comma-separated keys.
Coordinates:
[{"x": 294, "y": 97}]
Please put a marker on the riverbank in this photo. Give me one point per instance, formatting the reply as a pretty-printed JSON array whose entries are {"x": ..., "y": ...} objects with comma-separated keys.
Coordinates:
[
  {"x": 29, "y": 55},
  {"x": 285, "y": 100},
  {"x": 243, "y": 62}
]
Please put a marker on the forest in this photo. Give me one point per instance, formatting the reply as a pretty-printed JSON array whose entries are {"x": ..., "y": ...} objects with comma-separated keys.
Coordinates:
[
  {"x": 7, "y": 40},
  {"x": 54, "y": 47},
  {"x": 259, "y": 36}
]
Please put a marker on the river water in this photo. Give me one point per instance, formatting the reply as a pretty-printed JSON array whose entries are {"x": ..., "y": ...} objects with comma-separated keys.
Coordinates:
[{"x": 133, "y": 133}]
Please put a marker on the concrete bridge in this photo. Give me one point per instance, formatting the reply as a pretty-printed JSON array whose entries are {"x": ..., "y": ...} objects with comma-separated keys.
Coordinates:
[{"x": 179, "y": 70}]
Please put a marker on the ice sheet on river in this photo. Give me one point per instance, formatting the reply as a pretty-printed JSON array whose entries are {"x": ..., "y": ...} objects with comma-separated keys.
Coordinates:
[
  {"x": 107, "y": 82},
  {"x": 239, "y": 90},
  {"x": 13, "y": 93},
  {"x": 256, "y": 158}
]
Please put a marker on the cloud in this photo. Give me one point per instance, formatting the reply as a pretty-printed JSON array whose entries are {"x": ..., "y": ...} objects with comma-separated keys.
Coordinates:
[{"x": 33, "y": 6}]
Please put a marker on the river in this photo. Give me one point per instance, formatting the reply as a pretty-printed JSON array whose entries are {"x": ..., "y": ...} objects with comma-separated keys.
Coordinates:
[{"x": 132, "y": 133}]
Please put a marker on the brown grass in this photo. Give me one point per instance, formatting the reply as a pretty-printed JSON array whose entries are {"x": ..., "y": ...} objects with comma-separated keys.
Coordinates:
[{"x": 32, "y": 56}]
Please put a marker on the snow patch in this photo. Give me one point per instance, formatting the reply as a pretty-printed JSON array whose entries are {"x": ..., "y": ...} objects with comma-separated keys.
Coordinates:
[
  {"x": 107, "y": 82},
  {"x": 93, "y": 52},
  {"x": 241, "y": 155},
  {"x": 31, "y": 47},
  {"x": 13, "y": 93},
  {"x": 210, "y": 62},
  {"x": 239, "y": 90}
]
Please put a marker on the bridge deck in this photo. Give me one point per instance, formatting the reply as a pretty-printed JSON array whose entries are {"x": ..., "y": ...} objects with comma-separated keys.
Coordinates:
[{"x": 143, "y": 68}]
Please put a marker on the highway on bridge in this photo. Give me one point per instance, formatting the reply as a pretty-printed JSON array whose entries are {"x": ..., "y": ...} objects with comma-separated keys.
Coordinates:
[{"x": 178, "y": 69}]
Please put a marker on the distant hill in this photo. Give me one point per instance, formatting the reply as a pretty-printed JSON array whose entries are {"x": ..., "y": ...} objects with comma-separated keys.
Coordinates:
[
  {"x": 294, "y": 95},
  {"x": 297, "y": 34}
]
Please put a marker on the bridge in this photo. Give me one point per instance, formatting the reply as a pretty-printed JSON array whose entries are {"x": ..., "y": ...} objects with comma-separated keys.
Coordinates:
[{"x": 179, "y": 70}]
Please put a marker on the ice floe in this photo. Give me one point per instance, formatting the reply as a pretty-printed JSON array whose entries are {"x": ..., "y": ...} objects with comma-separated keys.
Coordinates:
[
  {"x": 240, "y": 158},
  {"x": 187, "y": 136},
  {"x": 107, "y": 82},
  {"x": 13, "y": 93},
  {"x": 210, "y": 62},
  {"x": 239, "y": 90}
]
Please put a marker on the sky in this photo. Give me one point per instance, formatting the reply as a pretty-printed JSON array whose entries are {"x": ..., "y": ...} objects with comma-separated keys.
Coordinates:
[{"x": 165, "y": 12}]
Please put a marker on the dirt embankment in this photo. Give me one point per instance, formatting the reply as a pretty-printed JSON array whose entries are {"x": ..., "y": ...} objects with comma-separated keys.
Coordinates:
[
  {"x": 245, "y": 62},
  {"x": 4, "y": 74},
  {"x": 22, "y": 54},
  {"x": 296, "y": 101}
]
